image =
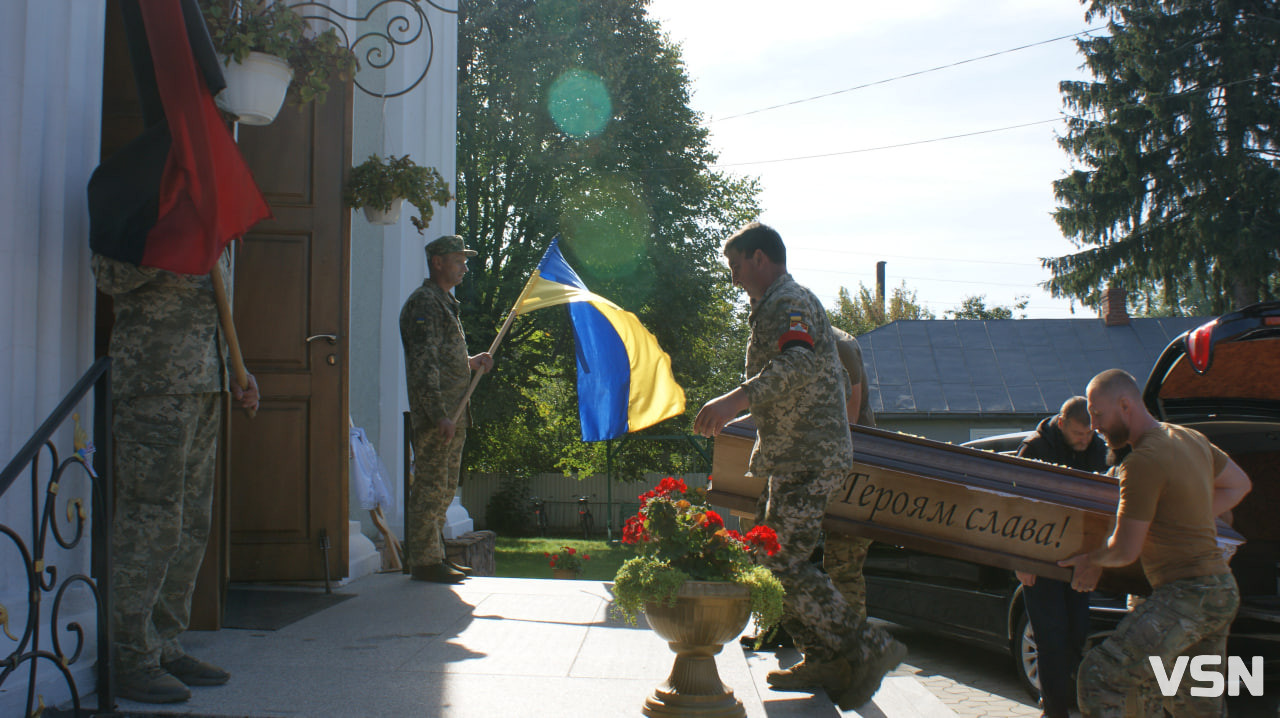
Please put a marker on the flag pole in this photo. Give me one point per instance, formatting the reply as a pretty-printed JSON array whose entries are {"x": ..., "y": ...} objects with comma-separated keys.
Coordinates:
[
  {"x": 475, "y": 378},
  {"x": 238, "y": 371}
]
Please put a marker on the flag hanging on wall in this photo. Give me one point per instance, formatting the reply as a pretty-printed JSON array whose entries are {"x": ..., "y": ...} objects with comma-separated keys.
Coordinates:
[
  {"x": 177, "y": 194},
  {"x": 624, "y": 377}
]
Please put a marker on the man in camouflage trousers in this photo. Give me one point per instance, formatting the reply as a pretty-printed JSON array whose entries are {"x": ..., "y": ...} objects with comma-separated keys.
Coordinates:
[
  {"x": 844, "y": 555},
  {"x": 166, "y": 382},
  {"x": 795, "y": 390},
  {"x": 438, "y": 370},
  {"x": 1173, "y": 484}
]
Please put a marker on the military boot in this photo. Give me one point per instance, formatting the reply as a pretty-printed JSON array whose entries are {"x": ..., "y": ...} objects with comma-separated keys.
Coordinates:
[
  {"x": 436, "y": 573},
  {"x": 195, "y": 672},
  {"x": 151, "y": 685},
  {"x": 458, "y": 567},
  {"x": 810, "y": 675},
  {"x": 867, "y": 677}
]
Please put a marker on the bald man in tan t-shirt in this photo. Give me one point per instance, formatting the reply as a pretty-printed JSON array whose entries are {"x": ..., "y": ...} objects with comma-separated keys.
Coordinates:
[{"x": 1172, "y": 487}]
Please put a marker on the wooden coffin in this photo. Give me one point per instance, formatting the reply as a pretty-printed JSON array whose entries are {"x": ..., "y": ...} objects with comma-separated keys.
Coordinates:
[{"x": 952, "y": 501}]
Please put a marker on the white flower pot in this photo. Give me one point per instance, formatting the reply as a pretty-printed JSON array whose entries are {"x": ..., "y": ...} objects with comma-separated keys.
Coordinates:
[
  {"x": 255, "y": 88},
  {"x": 391, "y": 216}
]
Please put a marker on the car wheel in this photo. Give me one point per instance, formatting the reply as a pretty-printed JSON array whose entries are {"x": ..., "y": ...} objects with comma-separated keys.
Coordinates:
[{"x": 1026, "y": 655}]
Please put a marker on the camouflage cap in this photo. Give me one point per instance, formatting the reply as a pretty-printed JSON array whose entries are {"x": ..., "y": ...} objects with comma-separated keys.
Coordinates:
[{"x": 449, "y": 243}]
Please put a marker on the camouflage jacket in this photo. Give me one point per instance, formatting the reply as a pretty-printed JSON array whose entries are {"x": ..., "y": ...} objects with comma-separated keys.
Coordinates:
[
  {"x": 850, "y": 353},
  {"x": 165, "y": 339},
  {"x": 435, "y": 355},
  {"x": 796, "y": 385}
]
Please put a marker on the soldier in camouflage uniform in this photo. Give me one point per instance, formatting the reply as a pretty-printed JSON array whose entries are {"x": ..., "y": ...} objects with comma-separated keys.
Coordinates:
[
  {"x": 844, "y": 555},
  {"x": 438, "y": 370},
  {"x": 1173, "y": 484},
  {"x": 795, "y": 390},
  {"x": 166, "y": 382}
]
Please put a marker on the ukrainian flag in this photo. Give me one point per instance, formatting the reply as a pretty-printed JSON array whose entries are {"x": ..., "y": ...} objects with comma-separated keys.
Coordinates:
[{"x": 624, "y": 377}]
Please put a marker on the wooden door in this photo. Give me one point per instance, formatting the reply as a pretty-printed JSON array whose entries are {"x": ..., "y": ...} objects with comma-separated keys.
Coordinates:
[{"x": 287, "y": 476}]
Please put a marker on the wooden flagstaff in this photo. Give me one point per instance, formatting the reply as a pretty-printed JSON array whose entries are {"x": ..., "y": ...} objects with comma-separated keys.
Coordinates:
[{"x": 475, "y": 379}]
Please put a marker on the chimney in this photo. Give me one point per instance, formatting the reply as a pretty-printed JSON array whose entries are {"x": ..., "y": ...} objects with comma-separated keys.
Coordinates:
[
  {"x": 1114, "y": 313},
  {"x": 880, "y": 293}
]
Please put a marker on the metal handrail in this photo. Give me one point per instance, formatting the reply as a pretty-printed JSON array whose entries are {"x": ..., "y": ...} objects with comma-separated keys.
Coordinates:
[{"x": 42, "y": 578}]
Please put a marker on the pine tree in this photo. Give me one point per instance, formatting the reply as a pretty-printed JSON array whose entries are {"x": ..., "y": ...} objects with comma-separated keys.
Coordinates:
[{"x": 1177, "y": 142}]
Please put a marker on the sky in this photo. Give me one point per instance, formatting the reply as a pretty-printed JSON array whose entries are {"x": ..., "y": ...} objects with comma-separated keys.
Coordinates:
[{"x": 954, "y": 218}]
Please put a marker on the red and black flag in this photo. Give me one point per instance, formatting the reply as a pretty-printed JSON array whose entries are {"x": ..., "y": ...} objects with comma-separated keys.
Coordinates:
[{"x": 175, "y": 196}]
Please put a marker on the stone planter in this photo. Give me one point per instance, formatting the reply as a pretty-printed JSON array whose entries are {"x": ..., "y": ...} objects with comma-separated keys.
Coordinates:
[
  {"x": 566, "y": 573},
  {"x": 706, "y": 615}
]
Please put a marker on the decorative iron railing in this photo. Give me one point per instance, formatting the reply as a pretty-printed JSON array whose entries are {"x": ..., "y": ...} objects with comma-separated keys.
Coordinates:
[
  {"x": 54, "y": 527},
  {"x": 406, "y": 23}
]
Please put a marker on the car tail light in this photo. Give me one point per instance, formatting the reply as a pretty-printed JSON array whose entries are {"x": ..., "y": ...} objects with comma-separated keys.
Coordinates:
[
  {"x": 1271, "y": 322},
  {"x": 1199, "y": 343}
]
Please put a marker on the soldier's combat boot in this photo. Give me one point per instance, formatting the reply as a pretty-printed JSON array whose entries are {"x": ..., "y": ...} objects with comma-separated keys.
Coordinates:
[
  {"x": 458, "y": 567},
  {"x": 195, "y": 672},
  {"x": 866, "y": 678},
  {"x": 151, "y": 685},
  {"x": 436, "y": 573},
  {"x": 810, "y": 675}
]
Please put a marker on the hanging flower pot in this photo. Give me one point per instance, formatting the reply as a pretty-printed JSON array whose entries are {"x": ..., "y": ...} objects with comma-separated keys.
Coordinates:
[
  {"x": 377, "y": 215},
  {"x": 378, "y": 185},
  {"x": 255, "y": 87}
]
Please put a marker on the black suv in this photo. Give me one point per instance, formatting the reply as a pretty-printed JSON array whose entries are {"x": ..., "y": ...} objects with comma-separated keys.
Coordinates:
[{"x": 1222, "y": 379}]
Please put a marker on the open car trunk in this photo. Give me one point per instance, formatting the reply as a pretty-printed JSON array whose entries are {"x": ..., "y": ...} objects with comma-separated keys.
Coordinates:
[{"x": 1223, "y": 379}]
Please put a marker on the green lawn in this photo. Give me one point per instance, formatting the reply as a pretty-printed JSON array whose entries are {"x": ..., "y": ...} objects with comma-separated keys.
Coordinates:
[{"x": 518, "y": 557}]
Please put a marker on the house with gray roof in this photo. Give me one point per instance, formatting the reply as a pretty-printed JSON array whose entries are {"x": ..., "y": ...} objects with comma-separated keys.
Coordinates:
[{"x": 957, "y": 380}]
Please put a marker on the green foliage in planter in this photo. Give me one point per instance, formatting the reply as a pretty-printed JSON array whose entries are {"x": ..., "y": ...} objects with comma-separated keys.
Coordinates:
[
  {"x": 239, "y": 27},
  {"x": 678, "y": 538},
  {"x": 644, "y": 579},
  {"x": 377, "y": 181}
]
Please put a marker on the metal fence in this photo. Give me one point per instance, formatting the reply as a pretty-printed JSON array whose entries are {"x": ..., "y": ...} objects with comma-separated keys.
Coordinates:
[
  {"x": 560, "y": 492},
  {"x": 60, "y": 521}
]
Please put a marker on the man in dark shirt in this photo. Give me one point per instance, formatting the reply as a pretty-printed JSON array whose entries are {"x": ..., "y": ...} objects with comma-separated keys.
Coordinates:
[{"x": 1060, "y": 615}]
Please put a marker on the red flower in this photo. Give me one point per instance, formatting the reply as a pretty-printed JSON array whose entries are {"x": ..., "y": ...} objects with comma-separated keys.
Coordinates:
[
  {"x": 764, "y": 537},
  {"x": 712, "y": 521},
  {"x": 570, "y": 549},
  {"x": 585, "y": 557},
  {"x": 633, "y": 531},
  {"x": 666, "y": 487}
]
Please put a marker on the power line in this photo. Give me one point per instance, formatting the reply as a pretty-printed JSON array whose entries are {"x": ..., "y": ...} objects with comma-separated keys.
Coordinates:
[
  {"x": 903, "y": 77},
  {"x": 809, "y": 270},
  {"x": 881, "y": 255},
  {"x": 889, "y": 147},
  {"x": 1136, "y": 104}
]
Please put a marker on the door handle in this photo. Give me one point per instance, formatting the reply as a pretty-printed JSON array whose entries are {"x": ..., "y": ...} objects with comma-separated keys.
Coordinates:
[{"x": 331, "y": 338}]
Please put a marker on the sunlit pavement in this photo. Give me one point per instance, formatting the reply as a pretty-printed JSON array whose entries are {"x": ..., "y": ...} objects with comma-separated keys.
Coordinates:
[{"x": 524, "y": 647}]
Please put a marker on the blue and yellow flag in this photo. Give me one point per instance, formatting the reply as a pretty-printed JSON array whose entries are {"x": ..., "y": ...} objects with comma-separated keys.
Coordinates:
[{"x": 624, "y": 377}]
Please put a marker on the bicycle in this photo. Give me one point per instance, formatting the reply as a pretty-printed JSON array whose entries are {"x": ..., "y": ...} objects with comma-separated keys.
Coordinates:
[
  {"x": 540, "y": 515},
  {"x": 586, "y": 521}
]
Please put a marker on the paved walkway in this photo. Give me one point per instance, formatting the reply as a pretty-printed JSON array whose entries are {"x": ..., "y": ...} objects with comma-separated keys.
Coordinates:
[{"x": 500, "y": 647}]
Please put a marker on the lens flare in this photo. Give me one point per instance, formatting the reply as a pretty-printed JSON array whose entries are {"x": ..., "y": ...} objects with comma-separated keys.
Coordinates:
[
  {"x": 579, "y": 103},
  {"x": 606, "y": 222}
]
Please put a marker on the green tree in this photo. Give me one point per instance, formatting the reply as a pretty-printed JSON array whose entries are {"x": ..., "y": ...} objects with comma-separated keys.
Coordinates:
[
  {"x": 861, "y": 315},
  {"x": 574, "y": 120},
  {"x": 1176, "y": 143},
  {"x": 975, "y": 307}
]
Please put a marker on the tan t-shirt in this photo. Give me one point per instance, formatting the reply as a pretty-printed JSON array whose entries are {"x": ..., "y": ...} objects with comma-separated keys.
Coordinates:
[{"x": 1168, "y": 480}]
